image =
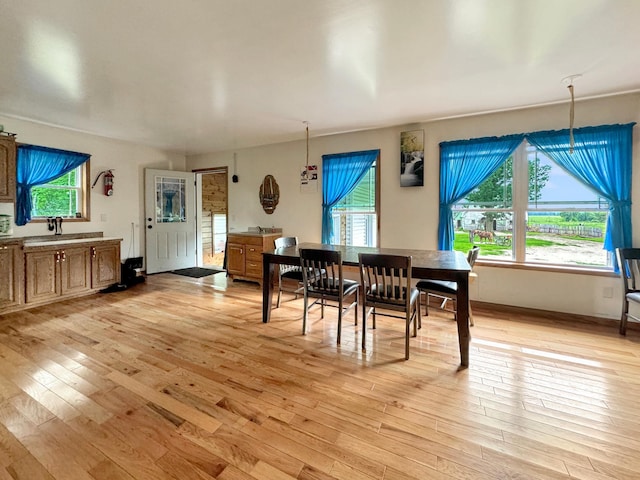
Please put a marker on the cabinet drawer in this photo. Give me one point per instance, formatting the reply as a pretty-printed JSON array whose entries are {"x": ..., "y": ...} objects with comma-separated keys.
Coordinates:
[
  {"x": 254, "y": 253},
  {"x": 253, "y": 268}
]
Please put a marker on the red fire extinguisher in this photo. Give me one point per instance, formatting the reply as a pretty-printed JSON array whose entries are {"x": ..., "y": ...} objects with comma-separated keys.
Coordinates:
[{"x": 108, "y": 183}]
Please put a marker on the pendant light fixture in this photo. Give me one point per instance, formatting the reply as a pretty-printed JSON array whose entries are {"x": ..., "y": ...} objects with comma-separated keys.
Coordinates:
[{"x": 568, "y": 81}]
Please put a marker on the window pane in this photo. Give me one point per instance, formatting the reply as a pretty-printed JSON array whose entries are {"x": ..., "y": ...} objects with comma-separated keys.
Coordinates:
[
  {"x": 490, "y": 230},
  {"x": 495, "y": 192},
  {"x": 363, "y": 197},
  {"x": 170, "y": 199},
  {"x": 59, "y": 198},
  {"x": 551, "y": 187},
  {"x": 570, "y": 237},
  {"x": 355, "y": 229}
]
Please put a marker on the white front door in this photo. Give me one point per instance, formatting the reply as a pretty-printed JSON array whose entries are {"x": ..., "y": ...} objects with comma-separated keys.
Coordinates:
[{"x": 170, "y": 220}]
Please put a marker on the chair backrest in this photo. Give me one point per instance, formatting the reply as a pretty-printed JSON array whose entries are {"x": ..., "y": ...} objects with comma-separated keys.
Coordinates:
[
  {"x": 386, "y": 278},
  {"x": 285, "y": 242},
  {"x": 472, "y": 256},
  {"x": 629, "y": 265},
  {"x": 322, "y": 271}
]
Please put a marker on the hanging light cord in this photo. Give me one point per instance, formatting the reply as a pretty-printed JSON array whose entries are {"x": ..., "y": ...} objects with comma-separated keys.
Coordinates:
[
  {"x": 307, "y": 123},
  {"x": 571, "y": 116}
]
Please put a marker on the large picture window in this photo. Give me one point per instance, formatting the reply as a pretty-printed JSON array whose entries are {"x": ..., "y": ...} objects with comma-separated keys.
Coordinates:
[
  {"x": 564, "y": 221},
  {"x": 556, "y": 197}
]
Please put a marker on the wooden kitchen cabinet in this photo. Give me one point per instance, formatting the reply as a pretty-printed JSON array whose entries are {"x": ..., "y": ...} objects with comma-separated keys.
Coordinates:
[
  {"x": 70, "y": 270},
  {"x": 105, "y": 264},
  {"x": 244, "y": 254},
  {"x": 55, "y": 273},
  {"x": 11, "y": 274},
  {"x": 7, "y": 169}
]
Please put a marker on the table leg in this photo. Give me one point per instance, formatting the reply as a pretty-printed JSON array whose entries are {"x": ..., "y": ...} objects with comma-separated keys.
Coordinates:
[
  {"x": 462, "y": 308},
  {"x": 267, "y": 288}
]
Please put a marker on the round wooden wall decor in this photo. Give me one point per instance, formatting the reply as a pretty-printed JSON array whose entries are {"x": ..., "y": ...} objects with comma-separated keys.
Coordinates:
[{"x": 269, "y": 194}]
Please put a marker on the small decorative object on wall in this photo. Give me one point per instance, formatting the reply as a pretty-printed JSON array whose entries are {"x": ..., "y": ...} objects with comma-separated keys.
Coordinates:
[
  {"x": 412, "y": 158},
  {"x": 269, "y": 194},
  {"x": 309, "y": 179}
]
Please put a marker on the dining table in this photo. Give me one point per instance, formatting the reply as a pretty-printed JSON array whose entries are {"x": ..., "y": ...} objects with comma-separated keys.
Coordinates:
[{"x": 432, "y": 264}]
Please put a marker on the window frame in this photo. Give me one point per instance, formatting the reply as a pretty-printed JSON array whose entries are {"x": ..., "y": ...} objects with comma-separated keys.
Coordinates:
[
  {"x": 377, "y": 177},
  {"x": 85, "y": 196}
]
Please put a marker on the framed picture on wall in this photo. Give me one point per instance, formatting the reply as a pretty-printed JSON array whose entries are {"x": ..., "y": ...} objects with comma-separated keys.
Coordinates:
[{"x": 412, "y": 158}]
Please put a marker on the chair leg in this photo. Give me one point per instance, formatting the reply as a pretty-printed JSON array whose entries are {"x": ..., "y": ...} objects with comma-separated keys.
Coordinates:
[
  {"x": 279, "y": 291},
  {"x": 304, "y": 315},
  {"x": 339, "y": 320},
  {"x": 470, "y": 316},
  {"x": 623, "y": 318},
  {"x": 364, "y": 323},
  {"x": 406, "y": 335}
]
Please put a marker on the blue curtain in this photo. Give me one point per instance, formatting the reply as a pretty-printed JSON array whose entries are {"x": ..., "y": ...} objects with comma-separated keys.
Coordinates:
[
  {"x": 36, "y": 166},
  {"x": 601, "y": 160},
  {"x": 341, "y": 172},
  {"x": 465, "y": 164}
]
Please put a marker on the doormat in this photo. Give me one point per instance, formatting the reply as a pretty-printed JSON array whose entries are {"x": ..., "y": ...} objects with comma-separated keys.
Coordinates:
[{"x": 196, "y": 272}]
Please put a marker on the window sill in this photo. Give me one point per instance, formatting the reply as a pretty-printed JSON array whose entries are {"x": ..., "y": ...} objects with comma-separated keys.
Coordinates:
[
  {"x": 64, "y": 220},
  {"x": 538, "y": 267}
]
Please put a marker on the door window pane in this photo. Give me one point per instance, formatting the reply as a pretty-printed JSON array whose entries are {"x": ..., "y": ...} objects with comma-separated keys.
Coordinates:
[{"x": 170, "y": 200}]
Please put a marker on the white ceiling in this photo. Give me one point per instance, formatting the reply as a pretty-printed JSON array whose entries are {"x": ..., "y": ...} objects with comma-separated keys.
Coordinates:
[{"x": 197, "y": 76}]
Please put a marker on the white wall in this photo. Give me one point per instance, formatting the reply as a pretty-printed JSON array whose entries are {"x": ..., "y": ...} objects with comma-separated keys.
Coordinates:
[
  {"x": 409, "y": 216},
  {"x": 112, "y": 215}
]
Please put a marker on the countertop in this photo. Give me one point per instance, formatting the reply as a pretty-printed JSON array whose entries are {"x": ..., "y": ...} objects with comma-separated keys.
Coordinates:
[
  {"x": 74, "y": 241},
  {"x": 65, "y": 238},
  {"x": 257, "y": 234}
]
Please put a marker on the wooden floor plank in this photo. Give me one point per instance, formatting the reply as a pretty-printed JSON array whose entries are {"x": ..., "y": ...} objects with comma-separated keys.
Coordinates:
[{"x": 179, "y": 378}]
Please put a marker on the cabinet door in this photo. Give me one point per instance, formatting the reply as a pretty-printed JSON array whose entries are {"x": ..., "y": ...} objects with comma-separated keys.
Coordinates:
[
  {"x": 75, "y": 270},
  {"x": 7, "y": 169},
  {"x": 40, "y": 272},
  {"x": 10, "y": 275},
  {"x": 235, "y": 259},
  {"x": 105, "y": 265}
]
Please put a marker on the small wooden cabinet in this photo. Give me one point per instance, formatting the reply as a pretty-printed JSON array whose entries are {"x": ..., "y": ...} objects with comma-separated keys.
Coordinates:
[
  {"x": 244, "y": 254},
  {"x": 52, "y": 273},
  {"x": 7, "y": 169},
  {"x": 11, "y": 274}
]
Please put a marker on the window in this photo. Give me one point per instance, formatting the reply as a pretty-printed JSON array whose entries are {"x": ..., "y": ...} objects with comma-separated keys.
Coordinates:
[
  {"x": 350, "y": 198},
  {"x": 531, "y": 210},
  {"x": 355, "y": 217},
  {"x": 63, "y": 197},
  {"x": 51, "y": 183}
]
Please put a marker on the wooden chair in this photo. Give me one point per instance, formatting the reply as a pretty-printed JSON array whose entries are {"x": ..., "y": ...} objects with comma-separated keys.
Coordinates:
[
  {"x": 292, "y": 273},
  {"x": 629, "y": 265},
  {"x": 446, "y": 291},
  {"x": 386, "y": 283},
  {"x": 322, "y": 278}
]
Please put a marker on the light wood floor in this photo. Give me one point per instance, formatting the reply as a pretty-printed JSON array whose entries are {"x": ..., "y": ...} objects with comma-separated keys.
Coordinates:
[{"x": 178, "y": 378}]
